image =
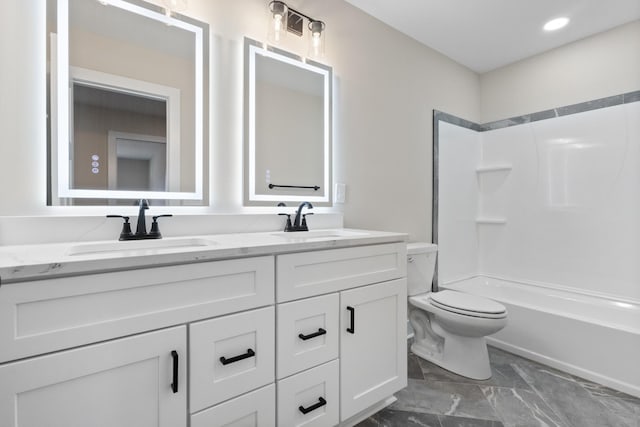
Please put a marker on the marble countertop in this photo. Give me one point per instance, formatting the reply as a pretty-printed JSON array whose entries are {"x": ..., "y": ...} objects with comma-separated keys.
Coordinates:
[{"x": 32, "y": 262}]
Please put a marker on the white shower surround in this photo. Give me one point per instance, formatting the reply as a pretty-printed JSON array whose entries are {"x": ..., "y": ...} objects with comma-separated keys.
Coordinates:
[{"x": 553, "y": 204}]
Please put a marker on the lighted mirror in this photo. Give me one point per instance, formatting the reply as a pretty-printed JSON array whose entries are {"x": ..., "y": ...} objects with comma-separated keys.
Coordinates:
[
  {"x": 287, "y": 128},
  {"x": 127, "y": 103}
]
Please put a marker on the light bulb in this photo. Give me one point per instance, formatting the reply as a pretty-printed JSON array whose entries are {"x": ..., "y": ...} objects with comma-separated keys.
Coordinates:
[
  {"x": 277, "y": 26},
  {"x": 315, "y": 40}
]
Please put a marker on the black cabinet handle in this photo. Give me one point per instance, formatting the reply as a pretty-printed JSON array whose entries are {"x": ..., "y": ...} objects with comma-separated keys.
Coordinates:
[
  {"x": 249, "y": 353},
  {"x": 320, "y": 404},
  {"x": 352, "y": 328},
  {"x": 313, "y": 335},
  {"x": 174, "y": 384}
]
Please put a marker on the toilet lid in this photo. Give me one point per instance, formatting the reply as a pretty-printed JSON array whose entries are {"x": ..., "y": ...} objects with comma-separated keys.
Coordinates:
[{"x": 461, "y": 302}]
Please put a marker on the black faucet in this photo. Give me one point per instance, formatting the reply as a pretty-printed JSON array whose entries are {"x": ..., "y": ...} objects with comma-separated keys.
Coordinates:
[
  {"x": 300, "y": 221},
  {"x": 141, "y": 228}
]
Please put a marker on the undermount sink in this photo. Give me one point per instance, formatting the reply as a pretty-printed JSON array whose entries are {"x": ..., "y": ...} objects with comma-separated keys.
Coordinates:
[
  {"x": 318, "y": 234},
  {"x": 129, "y": 246}
]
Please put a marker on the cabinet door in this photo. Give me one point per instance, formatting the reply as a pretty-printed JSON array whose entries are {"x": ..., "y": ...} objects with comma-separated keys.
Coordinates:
[
  {"x": 373, "y": 351},
  {"x": 124, "y": 383}
]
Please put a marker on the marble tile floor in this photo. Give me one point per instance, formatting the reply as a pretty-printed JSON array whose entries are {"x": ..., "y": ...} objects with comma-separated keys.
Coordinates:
[{"x": 521, "y": 393}]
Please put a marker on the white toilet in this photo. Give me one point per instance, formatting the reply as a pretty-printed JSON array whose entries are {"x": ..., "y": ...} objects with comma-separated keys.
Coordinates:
[{"x": 449, "y": 326}]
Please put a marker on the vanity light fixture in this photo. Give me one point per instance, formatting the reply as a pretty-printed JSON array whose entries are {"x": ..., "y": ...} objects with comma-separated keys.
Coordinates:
[
  {"x": 556, "y": 24},
  {"x": 284, "y": 19}
]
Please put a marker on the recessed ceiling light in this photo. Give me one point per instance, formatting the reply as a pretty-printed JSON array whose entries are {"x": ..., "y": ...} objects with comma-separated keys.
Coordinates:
[{"x": 556, "y": 24}]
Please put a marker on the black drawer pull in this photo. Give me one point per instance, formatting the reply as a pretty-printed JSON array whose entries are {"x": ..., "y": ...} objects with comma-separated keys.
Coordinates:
[
  {"x": 313, "y": 335},
  {"x": 249, "y": 353},
  {"x": 174, "y": 384},
  {"x": 352, "y": 328},
  {"x": 320, "y": 404}
]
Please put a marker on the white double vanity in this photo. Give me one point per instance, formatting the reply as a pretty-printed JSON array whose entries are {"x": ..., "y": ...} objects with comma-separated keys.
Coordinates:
[{"x": 259, "y": 329}]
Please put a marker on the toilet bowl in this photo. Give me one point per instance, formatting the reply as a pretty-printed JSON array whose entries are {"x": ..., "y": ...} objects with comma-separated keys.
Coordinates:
[{"x": 449, "y": 326}]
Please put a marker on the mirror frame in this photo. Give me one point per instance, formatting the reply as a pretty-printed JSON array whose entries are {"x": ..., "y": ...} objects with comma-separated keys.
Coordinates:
[
  {"x": 60, "y": 104},
  {"x": 251, "y": 49}
]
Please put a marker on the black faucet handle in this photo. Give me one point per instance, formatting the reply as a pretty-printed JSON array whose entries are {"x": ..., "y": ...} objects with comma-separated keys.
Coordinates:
[
  {"x": 303, "y": 225},
  {"x": 125, "y": 234},
  {"x": 155, "y": 217},
  {"x": 126, "y": 218},
  {"x": 154, "y": 233},
  {"x": 288, "y": 225}
]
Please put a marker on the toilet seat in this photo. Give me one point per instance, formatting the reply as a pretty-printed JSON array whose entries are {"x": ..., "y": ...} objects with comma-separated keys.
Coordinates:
[{"x": 461, "y": 303}]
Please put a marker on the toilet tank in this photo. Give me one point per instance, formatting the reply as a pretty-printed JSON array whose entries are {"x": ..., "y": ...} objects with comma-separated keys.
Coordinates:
[{"x": 421, "y": 264}]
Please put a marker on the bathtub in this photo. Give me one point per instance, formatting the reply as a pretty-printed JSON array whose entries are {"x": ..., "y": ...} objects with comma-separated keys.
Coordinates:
[{"x": 591, "y": 336}]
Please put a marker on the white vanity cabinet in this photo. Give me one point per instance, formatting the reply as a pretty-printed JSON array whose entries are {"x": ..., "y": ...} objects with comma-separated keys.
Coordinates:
[{"x": 311, "y": 337}]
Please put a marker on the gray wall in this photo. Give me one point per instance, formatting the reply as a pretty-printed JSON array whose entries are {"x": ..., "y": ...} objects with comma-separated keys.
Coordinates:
[{"x": 595, "y": 67}]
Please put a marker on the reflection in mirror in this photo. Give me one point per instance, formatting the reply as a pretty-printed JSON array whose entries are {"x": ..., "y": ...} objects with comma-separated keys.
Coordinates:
[
  {"x": 128, "y": 93},
  {"x": 287, "y": 128}
]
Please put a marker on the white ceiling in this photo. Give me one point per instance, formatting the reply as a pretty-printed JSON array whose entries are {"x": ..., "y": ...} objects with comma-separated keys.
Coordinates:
[{"x": 488, "y": 34}]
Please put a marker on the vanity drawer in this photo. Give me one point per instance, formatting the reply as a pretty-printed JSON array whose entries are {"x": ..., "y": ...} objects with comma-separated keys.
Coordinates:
[
  {"x": 310, "y": 398},
  {"x": 306, "y": 274},
  {"x": 230, "y": 355},
  {"x": 46, "y": 315},
  {"x": 255, "y": 409},
  {"x": 307, "y": 333}
]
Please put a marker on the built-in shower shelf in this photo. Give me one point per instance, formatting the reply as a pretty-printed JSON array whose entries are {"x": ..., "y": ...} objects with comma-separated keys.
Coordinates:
[
  {"x": 491, "y": 220},
  {"x": 493, "y": 168}
]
